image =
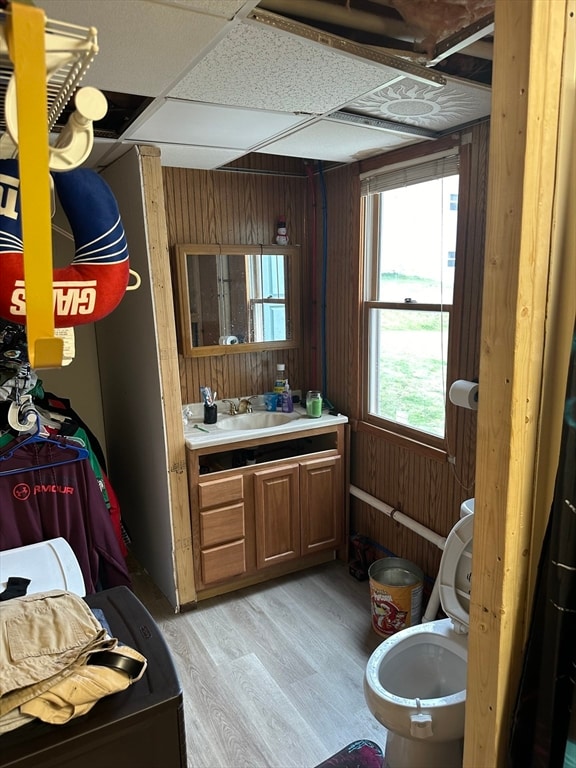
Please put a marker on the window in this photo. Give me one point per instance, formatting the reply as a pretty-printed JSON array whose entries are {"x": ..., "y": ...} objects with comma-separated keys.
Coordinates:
[{"x": 410, "y": 255}]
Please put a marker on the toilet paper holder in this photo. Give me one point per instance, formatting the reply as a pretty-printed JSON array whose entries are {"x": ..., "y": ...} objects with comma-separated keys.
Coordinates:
[{"x": 464, "y": 394}]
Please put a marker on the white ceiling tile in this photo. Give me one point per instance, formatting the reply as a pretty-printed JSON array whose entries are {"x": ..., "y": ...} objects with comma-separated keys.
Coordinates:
[
  {"x": 338, "y": 142},
  {"x": 206, "y": 158},
  {"x": 106, "y": 151},
  {"x": 263, "y": 68},
  {"x": 437, "y": 109},
  {"x": 143, "y": 46},
  {"x": 244, "y": 86},
  {"x": 184, "y": 122}
]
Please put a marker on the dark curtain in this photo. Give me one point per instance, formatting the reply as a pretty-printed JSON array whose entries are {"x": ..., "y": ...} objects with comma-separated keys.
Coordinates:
[{"x": 542, "y": 734}]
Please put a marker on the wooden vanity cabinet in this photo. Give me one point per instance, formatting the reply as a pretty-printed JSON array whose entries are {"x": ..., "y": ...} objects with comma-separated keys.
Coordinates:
[{"x": 252, "y": 523}]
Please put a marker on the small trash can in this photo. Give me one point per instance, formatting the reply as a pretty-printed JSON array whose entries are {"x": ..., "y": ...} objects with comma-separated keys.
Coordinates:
[{"x": 396, "y": 587}]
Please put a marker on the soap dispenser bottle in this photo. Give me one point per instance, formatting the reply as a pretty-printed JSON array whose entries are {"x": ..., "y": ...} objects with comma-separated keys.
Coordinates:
[{"x": 287, "y": 403}]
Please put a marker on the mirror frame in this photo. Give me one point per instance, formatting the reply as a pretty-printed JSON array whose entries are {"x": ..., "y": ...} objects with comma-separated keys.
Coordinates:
[{"x": 184, "y": 251}]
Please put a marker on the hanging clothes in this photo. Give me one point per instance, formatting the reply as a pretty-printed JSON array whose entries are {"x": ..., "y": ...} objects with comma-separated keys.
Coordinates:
[
  {"x": 61, "y": 405},
  {"x": 43, "y": 498},
  {"x": 44, "y": 493},
  {"x": 70, "y": 429}
]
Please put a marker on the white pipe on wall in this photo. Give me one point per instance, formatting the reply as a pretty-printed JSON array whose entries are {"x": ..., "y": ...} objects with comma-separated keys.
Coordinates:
[
  {"x": 421, "y": 530},
  {"x": 399, "y": 517}
]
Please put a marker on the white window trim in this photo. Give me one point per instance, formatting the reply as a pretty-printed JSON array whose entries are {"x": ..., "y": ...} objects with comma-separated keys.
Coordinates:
[{"x": 372, "y": 183}]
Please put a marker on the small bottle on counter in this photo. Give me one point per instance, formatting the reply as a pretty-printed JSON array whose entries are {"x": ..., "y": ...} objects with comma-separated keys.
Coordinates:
[
  {"x": 280, "y": 383},
  {"x": 287, "y": 403}
]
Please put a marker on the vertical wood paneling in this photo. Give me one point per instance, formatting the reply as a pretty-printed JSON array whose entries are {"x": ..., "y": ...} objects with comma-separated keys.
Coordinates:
[
  {"x": 427, "y": 489},
  {"x": 468, "y": 293},
  {"x": 342, "y": 209},
  {"x": 237, "y": 207}
]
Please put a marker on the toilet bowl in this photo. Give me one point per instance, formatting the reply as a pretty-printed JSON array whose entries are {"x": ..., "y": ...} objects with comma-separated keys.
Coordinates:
[{"x": 415, "y": 681}]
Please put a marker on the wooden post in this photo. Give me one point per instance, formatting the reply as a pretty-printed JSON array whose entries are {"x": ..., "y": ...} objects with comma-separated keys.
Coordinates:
[
  {"x": 523, "y": 199},
  {"x": 153, "y": 196}
]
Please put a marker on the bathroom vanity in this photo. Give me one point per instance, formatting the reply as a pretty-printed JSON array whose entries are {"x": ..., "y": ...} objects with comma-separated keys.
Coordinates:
[{"x": 267, "y": 498}]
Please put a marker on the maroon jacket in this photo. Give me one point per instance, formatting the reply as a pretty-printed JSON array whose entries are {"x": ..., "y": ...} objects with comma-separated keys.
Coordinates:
[{"x": 59, "y": 500}]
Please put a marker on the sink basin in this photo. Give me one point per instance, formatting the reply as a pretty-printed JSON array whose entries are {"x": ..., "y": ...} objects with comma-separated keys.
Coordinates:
[{"x": 256, "y": 420}]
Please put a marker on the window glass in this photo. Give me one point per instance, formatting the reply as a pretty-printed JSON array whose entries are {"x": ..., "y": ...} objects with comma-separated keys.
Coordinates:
[
  {"x": 410, "y": 259},
  {"x": 408, "y": 367},
  {"x": 417, "y": 233}
]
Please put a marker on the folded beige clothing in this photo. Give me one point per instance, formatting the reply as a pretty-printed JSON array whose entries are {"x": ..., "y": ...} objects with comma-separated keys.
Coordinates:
[
  {"x": 43, "y": 637},
  {"x": 77, "y": 693}
]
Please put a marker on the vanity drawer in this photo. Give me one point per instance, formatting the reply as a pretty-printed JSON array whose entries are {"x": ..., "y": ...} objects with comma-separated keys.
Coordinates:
[
  {"x": 218, "y": 526},
  {"x": 223, "y": 562},
  {"x": 212, "y": 493}
]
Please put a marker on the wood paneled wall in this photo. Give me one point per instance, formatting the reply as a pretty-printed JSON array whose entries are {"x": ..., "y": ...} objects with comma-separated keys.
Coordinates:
[
  {"x": 238, "y": 206},
  {"x": 340, "y": 205},
  {"x": 242, "y": 206},
  {"x": 427, "y": 489}
]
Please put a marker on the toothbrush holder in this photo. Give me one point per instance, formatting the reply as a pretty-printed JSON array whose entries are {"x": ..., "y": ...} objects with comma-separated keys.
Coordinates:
[{"x": 210, "y": 414}]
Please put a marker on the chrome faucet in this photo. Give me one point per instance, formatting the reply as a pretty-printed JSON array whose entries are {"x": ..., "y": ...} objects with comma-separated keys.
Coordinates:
[{"x": 244, "y": 405}]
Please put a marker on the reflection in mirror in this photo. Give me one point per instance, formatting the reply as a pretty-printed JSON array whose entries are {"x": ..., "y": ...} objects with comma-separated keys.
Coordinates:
[
  {"x": 237, "y": 296},
  {"x": 267, "y": 297}
]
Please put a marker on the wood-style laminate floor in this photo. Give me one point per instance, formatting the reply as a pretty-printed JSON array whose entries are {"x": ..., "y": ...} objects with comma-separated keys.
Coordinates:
[{"x": 272, "y": 675}]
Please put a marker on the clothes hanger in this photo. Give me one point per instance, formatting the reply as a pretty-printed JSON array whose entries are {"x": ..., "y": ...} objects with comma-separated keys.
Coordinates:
[
  {"x": 77, "y": 452},
  {"x": 22, "y": 416}
]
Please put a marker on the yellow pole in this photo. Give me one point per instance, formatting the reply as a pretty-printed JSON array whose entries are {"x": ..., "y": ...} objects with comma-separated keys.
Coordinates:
[{"x": 25, "y": 36}]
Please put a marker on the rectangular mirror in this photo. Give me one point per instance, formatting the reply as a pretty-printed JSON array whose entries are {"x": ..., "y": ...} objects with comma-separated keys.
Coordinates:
[{"x": 237, "y": 298}]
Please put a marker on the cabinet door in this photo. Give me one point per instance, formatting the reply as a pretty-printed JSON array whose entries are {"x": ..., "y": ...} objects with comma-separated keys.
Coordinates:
[
  {"x": 277, "y": 518},
  {"x": 322, "y": 503}
]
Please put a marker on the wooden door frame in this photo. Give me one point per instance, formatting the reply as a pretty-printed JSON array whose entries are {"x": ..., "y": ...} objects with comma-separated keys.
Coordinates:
[{"x": 527, "y": 321}]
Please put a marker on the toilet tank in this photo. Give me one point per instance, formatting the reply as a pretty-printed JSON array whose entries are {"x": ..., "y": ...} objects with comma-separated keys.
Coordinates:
[{"x": 467, "y": 507}]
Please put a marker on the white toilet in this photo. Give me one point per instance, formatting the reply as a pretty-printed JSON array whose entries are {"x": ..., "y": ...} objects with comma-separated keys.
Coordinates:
[{"x": 415, "y": 681}]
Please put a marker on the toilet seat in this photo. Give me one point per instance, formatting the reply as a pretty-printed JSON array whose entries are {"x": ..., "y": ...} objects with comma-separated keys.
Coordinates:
[
  {"x": 395, "y": 700},
  {"x": 455, "y": 573}
]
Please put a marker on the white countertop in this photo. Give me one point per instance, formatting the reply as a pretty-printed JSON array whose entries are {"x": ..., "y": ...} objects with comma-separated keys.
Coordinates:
[{"x": 212, "y": 435}]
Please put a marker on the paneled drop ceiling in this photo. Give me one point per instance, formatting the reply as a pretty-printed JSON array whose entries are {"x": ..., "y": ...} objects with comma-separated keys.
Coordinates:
[{"x": 208, "y": 81}]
